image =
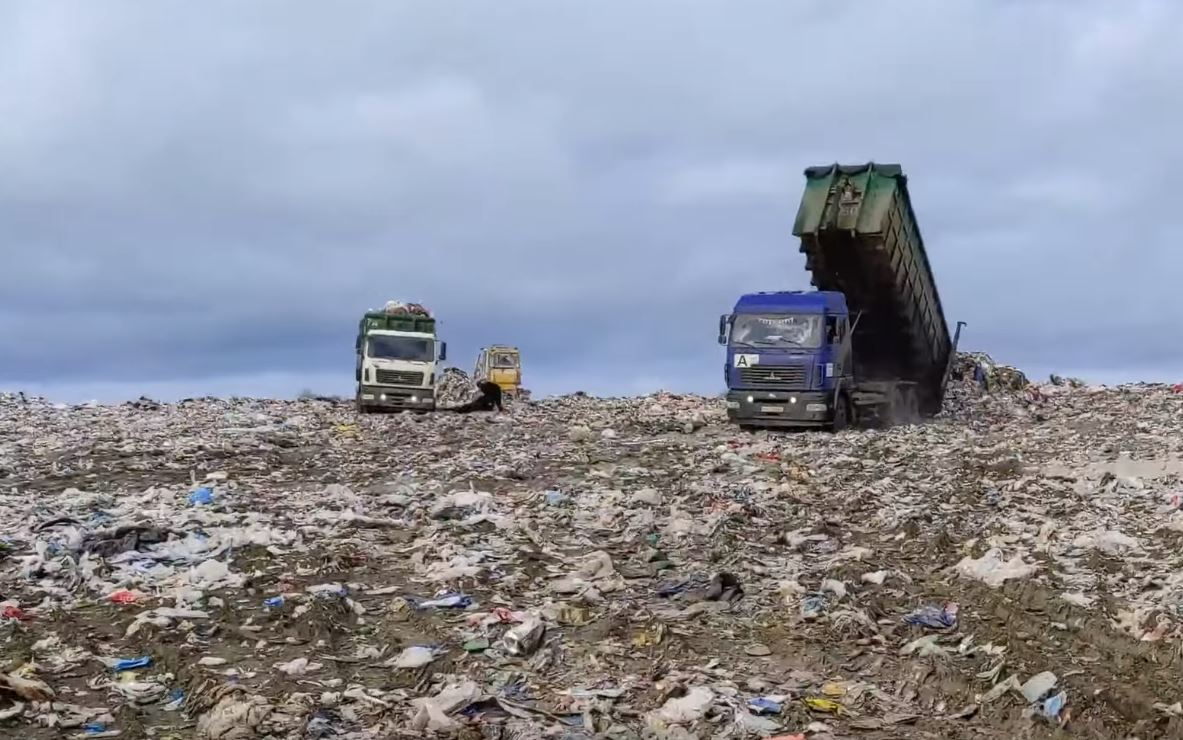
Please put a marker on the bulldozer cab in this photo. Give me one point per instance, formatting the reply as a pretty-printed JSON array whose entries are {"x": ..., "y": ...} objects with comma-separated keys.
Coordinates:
[{"x": 502, "y": 365}]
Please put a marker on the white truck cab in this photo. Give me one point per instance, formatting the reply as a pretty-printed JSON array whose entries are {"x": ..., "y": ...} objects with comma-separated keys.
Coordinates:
[{"x": 397, "y": 369}]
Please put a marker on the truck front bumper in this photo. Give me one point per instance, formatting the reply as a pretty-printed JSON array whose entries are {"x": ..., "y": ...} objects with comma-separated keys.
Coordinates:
[
  {"x": 392, "y": 397},
  {"x": 780, "y": 408}
]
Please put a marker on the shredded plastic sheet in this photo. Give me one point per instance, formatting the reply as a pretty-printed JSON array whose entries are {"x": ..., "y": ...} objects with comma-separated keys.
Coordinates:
[
  {"x": 687, "y": 709},
  {"x": 993, "y": 570},
  {"x": 235, "y": 717}
]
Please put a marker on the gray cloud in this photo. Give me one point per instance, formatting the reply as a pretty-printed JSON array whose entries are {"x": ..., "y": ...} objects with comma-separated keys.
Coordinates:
[{"x": 202, "y": 198}]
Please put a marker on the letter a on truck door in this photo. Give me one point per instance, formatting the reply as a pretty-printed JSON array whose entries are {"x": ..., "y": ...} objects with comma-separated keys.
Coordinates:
[{"x": 747, "y": 360}]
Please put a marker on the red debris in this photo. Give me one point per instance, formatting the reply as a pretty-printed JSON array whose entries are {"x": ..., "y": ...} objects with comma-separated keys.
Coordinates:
[{"x": 505, "y": 615}]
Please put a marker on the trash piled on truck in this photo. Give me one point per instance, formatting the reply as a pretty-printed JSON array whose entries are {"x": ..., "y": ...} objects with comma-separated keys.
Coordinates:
[
  {"x": 586, "y": 568},
  {"x": 399, "y": 308}
]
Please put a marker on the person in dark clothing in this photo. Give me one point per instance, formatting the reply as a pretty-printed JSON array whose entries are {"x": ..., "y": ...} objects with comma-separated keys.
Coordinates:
[{"x": 489, "y": 399}]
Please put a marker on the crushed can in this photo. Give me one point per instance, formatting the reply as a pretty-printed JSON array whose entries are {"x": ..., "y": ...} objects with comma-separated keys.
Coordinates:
[{"x": 526, "y": 637}]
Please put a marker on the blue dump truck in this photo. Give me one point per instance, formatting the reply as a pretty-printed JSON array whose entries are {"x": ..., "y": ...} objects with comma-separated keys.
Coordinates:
[{"x": 870, "y": 345}]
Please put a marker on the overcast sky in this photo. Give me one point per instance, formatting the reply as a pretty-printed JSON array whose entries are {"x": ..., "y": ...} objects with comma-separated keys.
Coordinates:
[{"x": 203, "y": 197}]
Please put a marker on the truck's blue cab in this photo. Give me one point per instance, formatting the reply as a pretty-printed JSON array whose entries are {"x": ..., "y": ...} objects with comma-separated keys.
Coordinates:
[{"x": 788, "y": 359}]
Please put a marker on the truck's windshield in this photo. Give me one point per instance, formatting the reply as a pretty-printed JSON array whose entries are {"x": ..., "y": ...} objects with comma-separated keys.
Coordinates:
[
  {"x": 410, "y": 349},
  {"x": 777, "y": 330}
]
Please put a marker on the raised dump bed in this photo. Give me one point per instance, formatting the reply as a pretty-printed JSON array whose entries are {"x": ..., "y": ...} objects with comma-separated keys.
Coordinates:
[{"x": 860, "y": 237}]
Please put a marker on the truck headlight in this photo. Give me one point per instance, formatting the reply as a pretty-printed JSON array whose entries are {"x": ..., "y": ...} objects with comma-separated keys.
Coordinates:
[
  {"x": 751, "y": 399},
  {"x": 382, "y": 397},
  {"x": 792, "y": 399},
  {"x": 414, "y": 399}
]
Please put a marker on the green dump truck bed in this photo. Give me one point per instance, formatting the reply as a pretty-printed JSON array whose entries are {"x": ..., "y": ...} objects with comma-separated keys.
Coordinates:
[
  {"x": 382, "y": 321},
  {"x": 859, "y": 236}
]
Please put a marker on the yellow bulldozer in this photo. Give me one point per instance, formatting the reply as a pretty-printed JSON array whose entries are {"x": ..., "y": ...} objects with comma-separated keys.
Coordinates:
[{"x": 501, "y": 364}]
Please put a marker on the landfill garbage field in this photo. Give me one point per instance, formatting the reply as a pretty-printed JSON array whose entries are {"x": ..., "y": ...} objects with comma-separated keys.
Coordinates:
[{"x": 581, "y": 568}]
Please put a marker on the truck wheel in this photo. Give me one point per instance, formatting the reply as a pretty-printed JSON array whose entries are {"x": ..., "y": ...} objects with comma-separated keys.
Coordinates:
[{"x": 841, "y": 420}]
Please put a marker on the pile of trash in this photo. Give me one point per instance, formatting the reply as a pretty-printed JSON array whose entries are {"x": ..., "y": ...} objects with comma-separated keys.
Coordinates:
[
  {"x": 988, "y": 375},
  {"x": 979, "y": 387},
  {"x": 454, "y": 387},
  {"x": 399, "y": 308},
  {"x": 586, "y": 568}
]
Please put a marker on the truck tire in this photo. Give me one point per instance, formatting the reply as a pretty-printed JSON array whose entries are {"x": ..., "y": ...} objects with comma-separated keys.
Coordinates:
[{"x": 842, "y": 415}]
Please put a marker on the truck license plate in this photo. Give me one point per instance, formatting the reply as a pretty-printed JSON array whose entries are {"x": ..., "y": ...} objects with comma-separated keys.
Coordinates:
[{"x": 772, "y": 409}]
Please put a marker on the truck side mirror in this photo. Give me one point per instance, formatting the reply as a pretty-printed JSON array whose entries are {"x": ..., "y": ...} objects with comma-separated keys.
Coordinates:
[
  {"x": 723, "y": 329},
  {"x": 443, "y": 351}
]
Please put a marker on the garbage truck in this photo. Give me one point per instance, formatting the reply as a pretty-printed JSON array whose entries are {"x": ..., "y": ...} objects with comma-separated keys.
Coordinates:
[
  {"x": 870, "y": 344},
  {"x": 398, "y": 355}
]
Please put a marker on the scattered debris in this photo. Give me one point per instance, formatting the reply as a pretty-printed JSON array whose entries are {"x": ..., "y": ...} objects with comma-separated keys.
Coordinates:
[
  {"x": 1053, "y": 706},
  {"x": 993, "y": 570},
  {"x": 934, "y": 617},
  {"x": 1038, "y": 686},
  {"x": 526, "y": 637},
  {"x": 454, "y": 387},
  {"x": 581, "y": 567},
  {"x": 687, "y": 709},
  {"x": 26, "y": 688},
  {"x": 414, "y": 657},
  {"x": 434, "y": 713}
]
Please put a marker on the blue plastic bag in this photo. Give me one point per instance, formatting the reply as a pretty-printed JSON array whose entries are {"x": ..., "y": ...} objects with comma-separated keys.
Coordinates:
[
  {"x": 934, "y": 617},
  {"x": 447, "y": 601},
  {"x": 131, "y": 664},
  {"x": 1053, "y": 705},
  {"x": 201, "y": 496},
  {"x": 763, "y": 705}
]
